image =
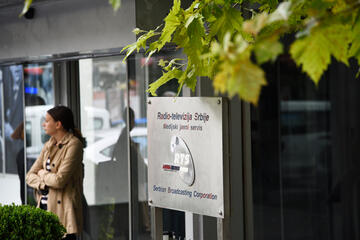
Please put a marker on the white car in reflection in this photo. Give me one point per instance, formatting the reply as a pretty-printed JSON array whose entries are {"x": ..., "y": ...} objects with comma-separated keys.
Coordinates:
[
  {"x": 102, "y": 148},
  {"x": 106, "y": 180}
]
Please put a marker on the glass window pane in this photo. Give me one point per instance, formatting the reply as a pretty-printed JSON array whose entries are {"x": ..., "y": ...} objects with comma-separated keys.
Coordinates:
[
  {"x": 13, "y": 164},
  {"x": 2, "y": 163},
  {"x": 39, "y": 97},
  {"x": 305, "y": 155},
  {"x": 13, "y": 109},
  {"x": 103, "y": 93},
  {"x": 138, "y": 141},
  {"x": 106, "y": 86}
]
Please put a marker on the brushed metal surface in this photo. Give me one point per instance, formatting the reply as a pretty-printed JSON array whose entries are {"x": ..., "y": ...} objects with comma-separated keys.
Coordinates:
[{"x": 185, "y": 154}]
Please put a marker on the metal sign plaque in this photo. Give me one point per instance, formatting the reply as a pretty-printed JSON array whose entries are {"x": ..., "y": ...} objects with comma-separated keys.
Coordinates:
[{"x": 186, "y": 154}]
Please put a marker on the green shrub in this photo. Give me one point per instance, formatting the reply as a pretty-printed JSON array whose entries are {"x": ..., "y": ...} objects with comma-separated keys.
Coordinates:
[{"x": 29, "y": 223}]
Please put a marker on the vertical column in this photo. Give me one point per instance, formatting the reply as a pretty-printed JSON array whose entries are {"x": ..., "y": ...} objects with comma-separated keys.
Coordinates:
[
  {"x": 2, "y": 121},
  {"x": 156, "y": 223},
  {"x": 223, "y": 224},
  {"x": 223, "y": 229},
  {"x": 193, "y": 226},
  {"x": 248, "y": 200},
  {"x": 132, "y": 164}
]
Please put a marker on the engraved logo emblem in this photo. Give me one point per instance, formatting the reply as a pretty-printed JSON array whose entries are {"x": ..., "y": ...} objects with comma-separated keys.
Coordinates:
[{"x": 183, "y": 162}]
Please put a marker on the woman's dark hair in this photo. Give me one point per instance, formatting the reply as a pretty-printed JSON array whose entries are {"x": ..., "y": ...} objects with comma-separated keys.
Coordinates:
[{"x": 66, "y": 117}]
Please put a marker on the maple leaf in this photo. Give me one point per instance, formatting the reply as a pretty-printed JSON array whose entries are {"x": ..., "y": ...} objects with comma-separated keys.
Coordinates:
[
  {"x": 355, "y": 45},
  {"x": 229, "y": 20},
  {"x": 171, "y": 23},
  {"x": 218, "y": 43},
  {"x": 255, "y": 25},
  {"x": 314, "y": 51},
  {"x": 167, "y": 76},
  {"x": 220, "y": 80},
  {"x": 140, "y": 43},
  {"x": 243, "y": 78},
  {"x": 247, "y": 81},
  {"x": 267, "y": 50}
]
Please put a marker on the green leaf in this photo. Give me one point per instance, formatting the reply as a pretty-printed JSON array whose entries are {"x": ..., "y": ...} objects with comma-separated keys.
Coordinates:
[
  {"x": 130, "y": 49},
  {"x": 171, "y": 23},
  {"x": 149, "y": 56},
  {"x": 355, "y": 45},
  {"x": 314, "y": 52},
  {"x": 358, "y": 73},
  {"x": 191, "y": 19},
  {"x": 316, "y": 6},
  {"x": 26, "y": 7},
  {"x": 247, "y": 81},
  {"x": 208, "y": 14},
  {"x": 235, "y": 18},
  {"x": 255, "y": 25},
  {"x": 181, "y": 37},
  {"x": 193, "y": 44},
  {"x": 191, "y": 82},
  {"x": 116, "y": 4},
  {"x": 170, "y": 65},
  {"x": 243, "y": 78},
  {"x": 137, "y": 31},
  {"x": 217, "y": 25},
  {"x": 140, "y": 43},
  {"x": 167, "y": 76},
  {"x": 228, "y": 20},
  {"x": 219, "y": 2},
  {"x": 162, "y": 63},
  {"x": 237, "y": 1},
  {"x": 339, "y": 36},
  {"x": 267, "y": 5},
  {"x": 191, "y": 79},
  {"x": 267, "y": 50},
  {"x": 196, "y": 32}
]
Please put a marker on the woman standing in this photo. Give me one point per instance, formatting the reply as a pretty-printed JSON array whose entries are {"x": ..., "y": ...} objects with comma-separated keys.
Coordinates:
[{"x": 57, "y": 174}]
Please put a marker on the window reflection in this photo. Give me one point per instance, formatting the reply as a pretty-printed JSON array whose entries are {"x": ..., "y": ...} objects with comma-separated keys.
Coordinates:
[
  {"x": 2, "y": 163},
  {"x": 39, "y": 97},
  {"x": 22, "y": 85},
  {"x": 12, "y": 145},
  {"x": 103, "y": 91},
  {"x": 138, "y": 136},
  {"x": 13, "y": 106},
  {"x": 304, "y": 155},
  {"x": 113, "y": 97}
]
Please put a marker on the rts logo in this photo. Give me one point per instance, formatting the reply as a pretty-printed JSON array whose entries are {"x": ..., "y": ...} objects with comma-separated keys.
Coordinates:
[{"x": 182, "y": 161}]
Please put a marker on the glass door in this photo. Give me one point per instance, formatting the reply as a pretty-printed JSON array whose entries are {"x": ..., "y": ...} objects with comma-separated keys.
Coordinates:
[
  {"x": 103, "y": 104},
  {"x": 12, "y": 145},
  {"x": 39, "y": 97}
]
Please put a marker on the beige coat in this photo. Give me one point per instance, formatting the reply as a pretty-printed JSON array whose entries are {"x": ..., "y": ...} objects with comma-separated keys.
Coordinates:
[{"x": 64, "y": 180}]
